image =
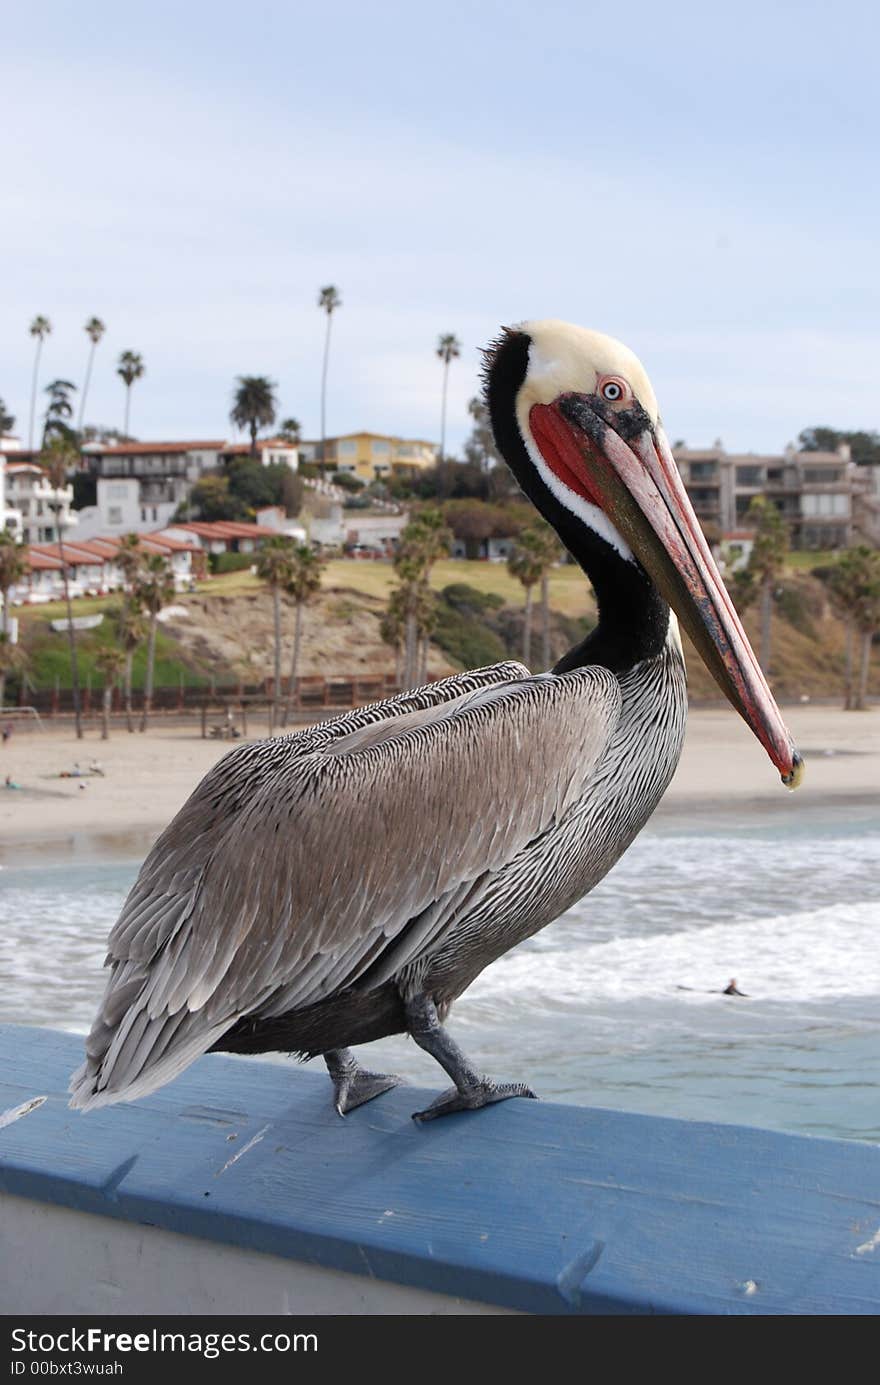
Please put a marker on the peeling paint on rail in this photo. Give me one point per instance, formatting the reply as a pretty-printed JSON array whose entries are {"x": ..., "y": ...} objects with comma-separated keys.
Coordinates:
[{"x": 15, "y": 1113}]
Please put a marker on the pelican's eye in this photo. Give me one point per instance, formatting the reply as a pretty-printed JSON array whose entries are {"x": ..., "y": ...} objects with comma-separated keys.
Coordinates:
[{"x": 614, "y": 390}]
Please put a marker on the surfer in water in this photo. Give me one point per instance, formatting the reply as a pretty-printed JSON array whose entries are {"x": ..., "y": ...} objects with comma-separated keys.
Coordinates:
[{"x": 730, "y": 989}]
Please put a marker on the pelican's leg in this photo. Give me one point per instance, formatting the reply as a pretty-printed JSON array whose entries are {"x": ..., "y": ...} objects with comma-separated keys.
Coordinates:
[
  {"x": 471, "y": 1090},
  {"x": 352, "y": 1084}
]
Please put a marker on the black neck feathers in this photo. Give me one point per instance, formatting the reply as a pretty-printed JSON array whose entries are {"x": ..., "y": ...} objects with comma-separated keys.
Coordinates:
[{"x": 633, "y": 617}]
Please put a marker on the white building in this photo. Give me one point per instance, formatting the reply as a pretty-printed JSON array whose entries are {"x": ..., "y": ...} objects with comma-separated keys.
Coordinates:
[
  {"x": 355, "y": 529},
  {"x": 10, "y": 517},
  {"x": 28, "y": 491},
  {"x": 141, "y": 486}
]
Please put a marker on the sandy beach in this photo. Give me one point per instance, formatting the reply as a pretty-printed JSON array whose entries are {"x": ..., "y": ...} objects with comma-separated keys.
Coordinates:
[{"x": 724, "y": 776}]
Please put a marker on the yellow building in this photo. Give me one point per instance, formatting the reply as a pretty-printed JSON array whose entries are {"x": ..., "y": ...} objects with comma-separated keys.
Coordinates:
[{"x": 372, "y": 456}]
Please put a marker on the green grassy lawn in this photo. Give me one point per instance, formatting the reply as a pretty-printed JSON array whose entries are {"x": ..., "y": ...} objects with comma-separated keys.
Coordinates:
[
  {"x": 49, "y": 652},
  {"x": 569, "y": 592},
  {"x": 807, "y": 559}
]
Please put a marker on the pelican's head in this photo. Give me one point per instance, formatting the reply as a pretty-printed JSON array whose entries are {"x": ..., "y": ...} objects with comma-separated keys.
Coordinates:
[{"x": 575, "y": 417}]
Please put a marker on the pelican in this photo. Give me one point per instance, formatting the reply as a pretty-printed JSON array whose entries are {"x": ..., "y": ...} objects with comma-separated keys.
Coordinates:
[{"x": 330, "y": 887}]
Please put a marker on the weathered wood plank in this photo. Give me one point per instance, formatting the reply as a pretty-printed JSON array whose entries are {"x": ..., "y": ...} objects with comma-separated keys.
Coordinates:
[{"x": 527, "y": 1205}]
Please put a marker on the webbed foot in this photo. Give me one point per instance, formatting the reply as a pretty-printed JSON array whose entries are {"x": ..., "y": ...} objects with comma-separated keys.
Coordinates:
[
  {"x": 472, "y": 1097},
  {"x": 354, "y": 1085}
]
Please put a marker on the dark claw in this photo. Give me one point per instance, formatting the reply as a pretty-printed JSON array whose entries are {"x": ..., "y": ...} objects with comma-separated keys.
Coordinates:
[{"x": 472, "y": 1098}]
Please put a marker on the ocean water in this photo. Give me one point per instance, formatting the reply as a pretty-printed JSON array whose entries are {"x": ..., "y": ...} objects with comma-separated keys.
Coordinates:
[{"x": 617, "y": 1004}]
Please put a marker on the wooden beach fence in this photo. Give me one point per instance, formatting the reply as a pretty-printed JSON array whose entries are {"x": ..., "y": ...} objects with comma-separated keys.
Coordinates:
[{"x": 237, "y": 1189}]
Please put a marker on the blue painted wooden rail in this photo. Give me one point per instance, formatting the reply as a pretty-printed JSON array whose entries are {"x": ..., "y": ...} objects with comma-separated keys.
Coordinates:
[{"x": 528, "y": 1205}]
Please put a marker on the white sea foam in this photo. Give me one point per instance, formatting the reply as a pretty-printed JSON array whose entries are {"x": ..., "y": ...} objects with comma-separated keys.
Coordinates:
[{"x": 806, "y": 956}]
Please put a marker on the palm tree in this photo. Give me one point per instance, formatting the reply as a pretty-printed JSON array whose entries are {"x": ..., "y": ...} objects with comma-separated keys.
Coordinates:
[
  {"x": 154, "y": 588},
  {"x": 329, "y": 300},
  {"x": 95, "y": 330},
  {"x": 7, "y": 420},
  {"x": 59, "y": 410},
  {"x": 254, "y": 406},
  {"x": 274, "y": 566},
  {"x": 306, "y": 568},
  {"x": 528, "y": 561},
  {"x": 855, "y": 590},
  {"x": 131, "y": 367},
  {"x": 110, "y": 660},
  {"x": 39, "y": 328},
  {"x": 448, "y": 349},
  {"x": 392, "y": 630},
  {"x": 425, "y": 539},
  {"x": 766, "y": 563},
  {"x": 13, "y": 566},
  {"x": 290, "y": 430},
  {"x": 59, "y": 456},
  {"x": 130, "y": 559},
  {"x": 12, "y": 660},
  {"x": 131, "y": 631},
  {"x": 546, "y": 547}
]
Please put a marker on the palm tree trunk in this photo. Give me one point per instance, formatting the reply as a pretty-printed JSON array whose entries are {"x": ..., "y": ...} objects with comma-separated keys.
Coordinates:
[
  {"x": 443, "y": 412},
  {"x": 766, "y": 616},
  {"x": 398, "y": 664},
  {"x": 324, "y": 391},
  {"x": 129, "y": 661},
  {"x": 105, "y": 719},
  {"x": 294, "y": 664},
  {"x": 151, "y": 661},
  {"x": 848, "y": 675},
  {"x": 127, "y": 407},
  {"x": 276, "y": 597},
  {"x": 867, "y": 637},
  {"x": 71, "y": 634},
  {"x": 85, "y": 388},
  {"x": 34, "y": 392},
  {"x": 423, "y": 660},
  {"x": 545, "y": 620},
  {"x": 527, "y": 630},
  {"x": 254, "y": 439},
  {"x": 409, "y": 659}
]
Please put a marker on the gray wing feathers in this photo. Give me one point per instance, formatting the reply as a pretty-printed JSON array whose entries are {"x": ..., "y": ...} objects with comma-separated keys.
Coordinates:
[{"x": 364, "y": 846}]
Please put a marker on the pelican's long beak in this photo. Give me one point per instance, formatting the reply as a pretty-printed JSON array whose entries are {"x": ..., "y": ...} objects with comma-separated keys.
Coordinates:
[{"x": 632, "y": 476}]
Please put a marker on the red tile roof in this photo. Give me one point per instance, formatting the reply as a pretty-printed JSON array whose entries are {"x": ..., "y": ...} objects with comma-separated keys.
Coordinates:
[
  {"x": 225, "y": 529},
  {"x": 41, "y": 561},
  {"x": 74, "y": 556},
  {"x": 139, "y": 449}
]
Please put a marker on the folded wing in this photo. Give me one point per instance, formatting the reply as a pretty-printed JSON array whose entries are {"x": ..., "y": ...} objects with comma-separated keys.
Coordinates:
[{"x": 284, "y": 880}]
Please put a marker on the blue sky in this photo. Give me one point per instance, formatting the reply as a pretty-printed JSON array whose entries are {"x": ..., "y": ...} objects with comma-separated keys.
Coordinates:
[{"x": 703, "y": 186}]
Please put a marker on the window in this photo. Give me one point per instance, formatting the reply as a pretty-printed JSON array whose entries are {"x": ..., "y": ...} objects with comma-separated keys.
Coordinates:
[
  {"x": 347, "y": 447},
  {"x": 824, "y": 504},
  {"x": 380, "y": 447},
  {"x": 114, "y": 514},
  {"x": 703, "y": 471},
  {"x": 748, "y": 476},
  {"x": 821, "y": 475}
]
